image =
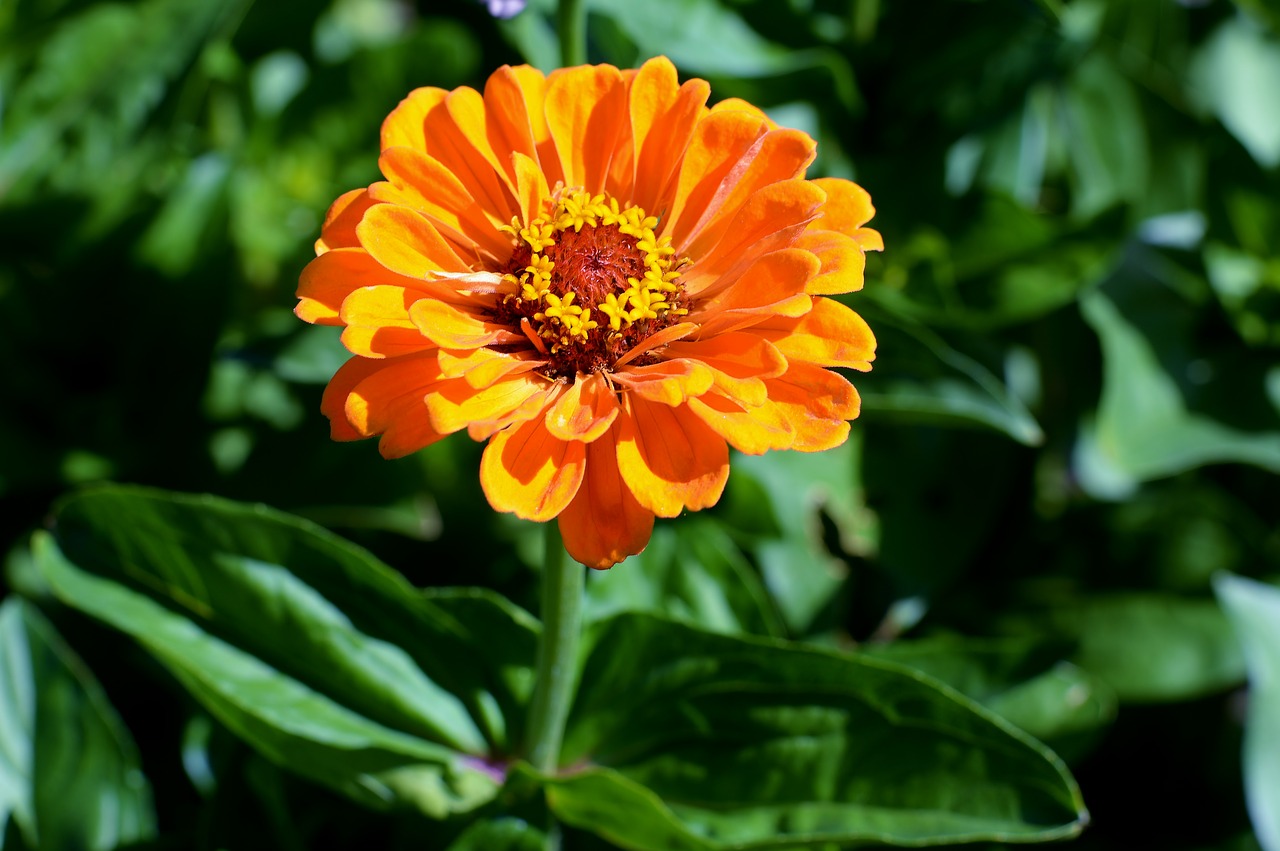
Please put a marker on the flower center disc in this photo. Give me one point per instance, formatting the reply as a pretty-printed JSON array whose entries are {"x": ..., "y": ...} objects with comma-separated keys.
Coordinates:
[{"x": 588, "y": 281}]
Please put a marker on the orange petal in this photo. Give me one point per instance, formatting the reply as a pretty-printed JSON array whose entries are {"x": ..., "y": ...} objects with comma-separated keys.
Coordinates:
[
  {"x": 669, "y": 382},
  {"x": 390, "y": 402},
  {"x": 425, "y": 184},
  {"x": 604, "y": 524},
  {"x": 778, "y": 155},
  {"x": 531, "y": 186},
  {"x": 526, "y": 471},
  {"x": 339, "y": 229},
  {"x": 719, "y": 143},
  {"x": 453, "y": 133},
  {"x": 740, "y": 105},
  {"x": 771, "y": 219},
  {"x": 404, "y": 126},
  {"x": 829, "y": 335},
  {"x": 842, "y": 261},
  {"x": 514, "y": 119},
  {"x": 457, "y": 404},
  {"x": 816, "y": 402},
  {"x": 586, "y": 109},
  {"x": 738, "y": 362},
  {"x": 755, "y": 431},
  {"x": 334, "y": 402},
  {"x": 669, "y": 458},
  {"x": 774, "y": 285},
  {"x": 327, "y": 280},
  {"x": 584, "y": 411},
  {"x": 483, "y": 367},
  {"x": 458, "y": 139},
  {"x": 450, "y": 327},
  {"x": 406, "y": 243},
  {"x": 848, "y": 205},
  {"x": 378, "y": 323},
  {"x": 535, "y": 406},
  {"x": 330, "y": 278},
  {"x": 656, "y": 341},
  {"x": 663, "y": 117}
]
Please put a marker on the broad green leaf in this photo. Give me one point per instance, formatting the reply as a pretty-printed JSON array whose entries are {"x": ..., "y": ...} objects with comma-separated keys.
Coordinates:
[
  {"x": 1152, "y": 647},
  {"x": 322, "y": 658},
  {"x": 691, "y": 570},
  {"x": 1254, "y": 609},
  {"x": 1024, "y": 680},
  {"x": 1143, "y": 429},
  {"x": 501, "y": 834},
  {"x": 705, "y": 741},
  {"x": 69, "y": 771},
  {"x": 1229, "y": 72}
]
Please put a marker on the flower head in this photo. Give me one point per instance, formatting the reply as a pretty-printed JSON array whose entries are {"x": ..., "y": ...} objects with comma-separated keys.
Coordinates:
[{"x": 605, "y": 279}]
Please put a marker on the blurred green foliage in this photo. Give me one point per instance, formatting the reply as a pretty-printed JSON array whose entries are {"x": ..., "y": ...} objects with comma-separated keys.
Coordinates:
[{"x": 1072, "y": 426}]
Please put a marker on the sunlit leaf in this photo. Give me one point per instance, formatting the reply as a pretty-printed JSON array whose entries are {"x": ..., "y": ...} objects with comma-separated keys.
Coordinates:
[
  {"x": 1024, "y": 680},
  {"x": 1143, "y": 429},
  {"x": 1255, "y": 613},
  {"x": 1108, "y": 140},
  {"x": 691, "y": 570},
  {"x": 1228, "y": 70},
  {"x": 69, "y": 771},
  {"x": 322, "y": 658},
  {"x": 950, "y": 387},
  {"x": 703, "y": 741},
  {"x": 95, "y": 83},
  {"x": 778, "y": 503},
  {"x": 501, "y": 834},
  {"x": 1152, "y": 647}
]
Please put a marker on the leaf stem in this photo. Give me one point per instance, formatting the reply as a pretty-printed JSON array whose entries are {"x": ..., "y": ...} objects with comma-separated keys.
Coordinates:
[
  {"x": 571, "y": 21},
  {"x": 562, "y": 585}
]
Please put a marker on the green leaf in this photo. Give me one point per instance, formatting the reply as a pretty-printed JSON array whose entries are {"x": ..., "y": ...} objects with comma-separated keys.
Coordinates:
[
  {"x": 1051, "y": 8},
  {"x": 1143, "y": 429},
  {"x": 69, "y": 772},
  {"x": 173, "y": 242},
  {"x": 501, "y": 834},
  {"x": 1227, "y": 70},
  {"x": 679, "y": 30},
  {"x": 1108, "y": 140},
  {"x": 1151, "y": 647},
  {"x": 1024, "y": 680},
  {"x": 95, "y": 83},
  {"x": 949, "y": 386},
  {"x": 315, "y": 653},
  {"x": 777, "y": 503},
  {"x": 1254, "y": 609},
  {"x": 705, "y": 741},
  {"x": 691, "y": 570}
]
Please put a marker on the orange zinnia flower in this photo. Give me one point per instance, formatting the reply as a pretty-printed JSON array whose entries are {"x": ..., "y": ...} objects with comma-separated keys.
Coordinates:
[{"x": 605, "y": 279}]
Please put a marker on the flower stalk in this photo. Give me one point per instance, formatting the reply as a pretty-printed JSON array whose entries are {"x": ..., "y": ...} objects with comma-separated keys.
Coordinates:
[
  {"x": 557, "y": 663},
  {"x": 571, "y": 21}
]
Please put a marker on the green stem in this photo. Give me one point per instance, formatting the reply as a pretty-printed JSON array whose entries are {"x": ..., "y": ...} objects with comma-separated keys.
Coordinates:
[
  {"x": 572, "y": 24},
  {"x": 562, "y": 584}
]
